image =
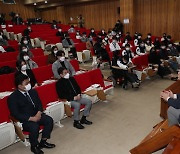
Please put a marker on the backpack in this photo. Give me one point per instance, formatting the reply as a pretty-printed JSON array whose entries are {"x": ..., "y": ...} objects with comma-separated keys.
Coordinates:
[{"x": 6, "y": 70}]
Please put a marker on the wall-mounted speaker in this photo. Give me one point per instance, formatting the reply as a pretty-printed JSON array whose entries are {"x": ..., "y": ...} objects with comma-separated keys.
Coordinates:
[{"x": 9, "y": 1}]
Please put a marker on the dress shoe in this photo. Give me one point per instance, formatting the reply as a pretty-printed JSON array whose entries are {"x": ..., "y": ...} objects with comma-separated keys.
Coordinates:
[
  {"x": 45, "y": 144},
  {"x": 78, "y": 125},
  {"x": 36, "y": 150},
  {"x": 84, "y": 121}
]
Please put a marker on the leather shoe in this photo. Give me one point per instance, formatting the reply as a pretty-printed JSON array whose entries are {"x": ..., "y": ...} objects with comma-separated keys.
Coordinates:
[
  {"x": 36, "y": 150},
  {"x": 84, "y": 121},
  {"x": 78, "y": 125},
  {"x": 44, "y": 144}
]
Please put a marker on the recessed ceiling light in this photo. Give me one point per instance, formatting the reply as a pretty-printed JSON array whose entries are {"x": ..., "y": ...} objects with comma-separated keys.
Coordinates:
[
  {"x": 35, "y": 4},
  {"x": 45, "y": 1}
]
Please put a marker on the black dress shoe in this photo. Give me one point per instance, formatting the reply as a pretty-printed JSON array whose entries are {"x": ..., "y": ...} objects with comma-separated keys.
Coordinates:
[
  {"x": 174, "y": 78},
  {"x": 44, "y": 144},
  {"x": 36, "y": 150},
  {"x": 78, "y": 125},
  {"x": 84, "y": 121}
]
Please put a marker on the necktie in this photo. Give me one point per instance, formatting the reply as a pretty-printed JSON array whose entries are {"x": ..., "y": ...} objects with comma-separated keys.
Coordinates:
[{"x": 29, "y": 99}]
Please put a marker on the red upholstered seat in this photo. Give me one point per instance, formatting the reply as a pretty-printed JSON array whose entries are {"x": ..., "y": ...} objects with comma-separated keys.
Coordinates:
[
  {"x": 7, "y": 82},
  {"x": 37, "y": 52},
  {"x": 83, "y": 80},
  {"x": 43, "y": 73},
  {"x": 141, "y": 62},
  {"x": 75, "y": 64},
  {"x": 11, "y": 64},
  {"x": 4, "y": 111},
  {"x": 47, "y": 93},
  {"x": 41, "y": 60},
  {"x": 8, "y": 56},
  {"x": 80, "y": 47}
]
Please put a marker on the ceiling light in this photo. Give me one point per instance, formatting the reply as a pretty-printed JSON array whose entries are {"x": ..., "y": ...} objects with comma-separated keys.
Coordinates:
[
  {"x": 35, "y": 4},
  {"x": 45, "y": 1}
]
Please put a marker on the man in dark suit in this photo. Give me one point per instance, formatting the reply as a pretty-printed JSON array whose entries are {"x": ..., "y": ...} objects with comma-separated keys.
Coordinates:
[
  {"x": 18, "y": 20},
  {"x": 67, "y": 88},
  {"x": 25, "y": 105}
]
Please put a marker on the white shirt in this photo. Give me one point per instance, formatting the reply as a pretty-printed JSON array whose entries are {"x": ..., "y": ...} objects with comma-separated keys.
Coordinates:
[
  {"x": 2, "y": 49},
  {"x": 114, "y": 46}
]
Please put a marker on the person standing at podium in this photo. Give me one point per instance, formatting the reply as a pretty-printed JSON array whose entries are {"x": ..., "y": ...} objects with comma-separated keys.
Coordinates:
[{"x": 173, "y": 101}]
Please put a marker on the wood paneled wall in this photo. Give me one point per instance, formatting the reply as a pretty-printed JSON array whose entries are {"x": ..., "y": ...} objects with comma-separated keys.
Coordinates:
[
  {"x": 24, "y": 11},
  {"x": 157, "y": 17}
]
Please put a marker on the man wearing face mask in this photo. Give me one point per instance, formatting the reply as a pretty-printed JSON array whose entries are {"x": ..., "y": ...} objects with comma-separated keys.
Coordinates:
[
  {"x": 92, "y": 33},
  {"x": 60, "y": 33},
  {"x": 62, "y": 62},
  {"x": 3, "y": 39},
  {"x": 114, "y": 47},
  {"x": 27, "y": 31},
  {"x": 127, "y": 52},
  {"x": 138, "y": 40},
  {"x": 141, "y": 49},
  {"x": 25, "y": 41},
  {"x": 25, "y": 105},
  {"x": 67, "y": 88},
  {"x": 84, "y": 37}
]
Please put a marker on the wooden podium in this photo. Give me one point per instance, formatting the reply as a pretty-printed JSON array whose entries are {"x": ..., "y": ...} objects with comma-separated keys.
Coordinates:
[
  {"x": 175, "y": 88},
  {"x": 158, "y": 138}
]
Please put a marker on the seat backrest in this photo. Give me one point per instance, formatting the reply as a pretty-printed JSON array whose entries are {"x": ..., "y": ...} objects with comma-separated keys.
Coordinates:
[
  {"x": 83, "y": 81},
  {"x": 11, "y": 64},
  {"x": 37, "y": 52},
  {"x": 43, "y": 73},
  {"x": 96, "y": 77},
  {"x": 80, "y": 47},
  {"x": 47, "y": 93},
  {"x": 75, "y": 64},
  {"x": 7, "y": 82},
  {"x": 8, "y": 56},
  {"x": 4, "y": 111},
  {"x": 41, "y": 60}
]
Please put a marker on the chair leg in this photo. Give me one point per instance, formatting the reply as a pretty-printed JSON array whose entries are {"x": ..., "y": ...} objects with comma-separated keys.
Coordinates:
[
  {"x": 59, "y": 124},
  {"x": 26, "y": 143}
]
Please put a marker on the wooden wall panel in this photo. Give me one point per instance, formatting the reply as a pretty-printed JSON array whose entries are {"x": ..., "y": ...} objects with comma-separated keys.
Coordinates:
[
  {"x": 25, "y": 11},
  {"x": 157, "y": 17},
  {"x": 49, "y": 14}
]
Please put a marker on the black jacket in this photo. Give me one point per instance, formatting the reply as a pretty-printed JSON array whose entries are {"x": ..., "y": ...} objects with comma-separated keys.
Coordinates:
[
  {"x": 67, "y": 88},
  {"x": 20, "y": 108},
  {"x": 30, "y": 74}
]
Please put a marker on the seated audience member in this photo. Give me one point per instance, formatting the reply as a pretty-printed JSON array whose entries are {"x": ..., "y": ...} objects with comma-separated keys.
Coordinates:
[
  {"x": 127, "y": 52},
  {"x": 60, "y": 33},
  {"x": 97, "y": 63},
  {"x": 22, "y": 69},
  {"x": 141, "y": 49},
  {"x": 164, "y": 55},
  {"x": 106, "y": 41},
  {"x": 164, "y": 38},
  {"x": 100, "y": 50},
  {"x": 172, "y": 50},
  {"x": 2, "y": 19},
  {"x": 118, "y": 38},
  {"x": 92, "y": 33},
  {"x": 84, "y": 37},
  {"x": 68, "y": 43},
  {"x": 29, "y": 62},
  {"x": 126, "y": 42},
  {"x": 157, "y": 43},
  {"x": 173, "y": 101},
  {"x": 67, "y": 88},
  {"x": 24, "y": 49},
  {"x": 25, "y": 105},
  {"x": 125, "y": 65},
  {"x": 148, "y": 45},
  {"x": 113, "y": 32},
  {"x": 114, "y": 47},
  {"x": 2, "y": 49},
  {"x": 148, "y": 38},
  {"x": 18, "y": 20},
  {"x": 72, "y": 29},
  {"x": 54, "y": 25},
  {"x": 78, "y": 35},
  {"x": 135, "y": 35},
  {"x": 90, "y": 43},
  {"x": 128, "y": 36},
  {"x": 138, "y": 40},
  {"x": 52, "y": 55},
  {"x": 169, "y": 40},
  {"x": 109, "y": 35},
  {"x": 3, "y": 39},
  {"x": 25, "y": 41},
  {"x": 62, "y": 62},
  {"x": 27, "y": 31},
  {"x": 99, "y": 38},
  {"x": 102, "y": 33}
]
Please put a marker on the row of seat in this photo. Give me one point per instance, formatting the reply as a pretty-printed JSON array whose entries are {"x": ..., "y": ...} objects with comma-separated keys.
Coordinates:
[{"x": 85, "y": 80}]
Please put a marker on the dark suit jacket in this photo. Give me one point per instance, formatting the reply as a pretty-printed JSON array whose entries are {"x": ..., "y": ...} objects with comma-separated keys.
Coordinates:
[
  {"x": 65, "y": 90},
  {"x": 20, "y": 108},
  {"x": 174, "y": 102},
  {"x": 30, "y": 74}
]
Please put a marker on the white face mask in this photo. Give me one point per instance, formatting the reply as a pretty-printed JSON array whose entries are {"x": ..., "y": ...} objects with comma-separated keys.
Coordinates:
[
  {"x": 67, "y": 76},
  {"x": 25, "y": 42},
  {"x": 117, "y": 36},
  {"x": 92, "y": 31},
  {"x": 26, "y": 57},
  {"x": 1, "y": 37},
  {"x": 24, "y": 67},
  {"x": 103, "y": 31},
  {"x": 139, "y": 37},
  {"x": 62, "y": 58},
  {"x": 163, "y": 47},
  {"x": 149, "y": 36},
  {"x": 127, "y": 49},
  {"x": 25, "y": 50},
  {"x": 106, "y": 38},
  {"x": 55, "y": 52},
  {"x": 60, "y": 30},
  {"x": 28, "y": 87}
]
